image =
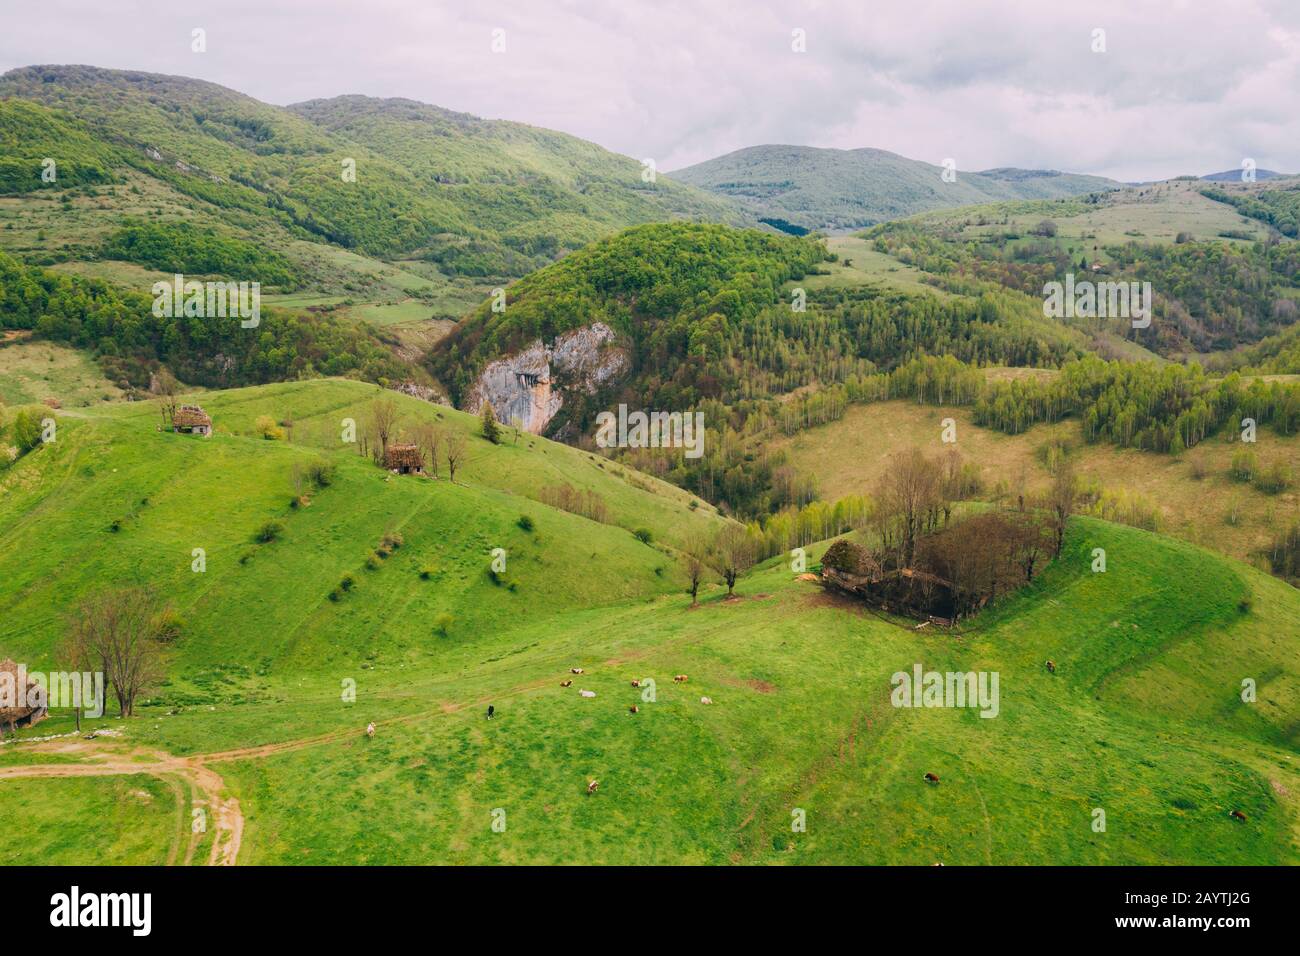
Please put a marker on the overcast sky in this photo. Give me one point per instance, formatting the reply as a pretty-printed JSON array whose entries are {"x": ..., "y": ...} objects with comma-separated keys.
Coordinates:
[{"x": 1182, "y": 87}]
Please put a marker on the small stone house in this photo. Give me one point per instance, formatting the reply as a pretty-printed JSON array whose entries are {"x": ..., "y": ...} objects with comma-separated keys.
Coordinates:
[
  {"x": 404, "y": 459},
  {"x": 192, "y": 420}
]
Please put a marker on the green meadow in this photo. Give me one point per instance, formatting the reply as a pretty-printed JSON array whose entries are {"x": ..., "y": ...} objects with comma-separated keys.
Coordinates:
[{"x": 1142, "y": 720}]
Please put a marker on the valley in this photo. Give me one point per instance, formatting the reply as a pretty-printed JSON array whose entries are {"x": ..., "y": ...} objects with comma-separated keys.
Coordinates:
[{"x": 407, "y": 604}]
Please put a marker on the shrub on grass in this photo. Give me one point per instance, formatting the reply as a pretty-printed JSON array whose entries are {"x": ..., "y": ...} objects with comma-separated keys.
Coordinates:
[
  {"x": 169, "y": 626},
  {"x": 321, "y": 473},
  {"x": 442, "y": 624},
  {"x": 1243, "y": 465},
  {"x": 269, "y": 532},
  {"x": 1275, "y": 479},
  {"x": 268, "y": 429},
  {"x": 525, "y": 522}
]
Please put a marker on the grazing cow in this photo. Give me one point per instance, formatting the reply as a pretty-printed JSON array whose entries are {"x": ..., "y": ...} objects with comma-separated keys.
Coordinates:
[
  {"x": 370, "y": 729},
  {"x": 634, "y": 709},
  {"x": 931, "y": 778},
  {"x": 706, "y": 700},
  {"x": 591, "y": 786},
  {"x": 1238, "y": 815},
  {"x": 575, "y": 670},
  {"x": 679, "y": 679},
  {"x": 635, "y": 682},
  {"x": 1051, "y": 667},
  {"x": 491, "y": 710},
  {"x": 567, "y": 683},
  {"x": 587, "y": 693}
]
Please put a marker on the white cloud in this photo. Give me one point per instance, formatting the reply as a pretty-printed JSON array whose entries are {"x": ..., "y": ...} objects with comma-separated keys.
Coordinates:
[{"x": 1183, "y": 87}]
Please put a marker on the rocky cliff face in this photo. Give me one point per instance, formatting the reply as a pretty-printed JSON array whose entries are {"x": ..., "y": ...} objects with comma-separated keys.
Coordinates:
[{"x": 530, "y": 386}]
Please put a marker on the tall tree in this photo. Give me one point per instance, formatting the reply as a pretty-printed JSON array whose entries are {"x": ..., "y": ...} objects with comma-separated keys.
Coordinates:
[
  {"x": 491, "y": 430},
  {"x": 1061, "y": 499},
  {"x": 383, "y": 423},
  {"x": 735, "y": 553},
  {"x": 121, "y": 629},
  {"x": 695, "y": 558},
  {"x": 454, "y": 448}
]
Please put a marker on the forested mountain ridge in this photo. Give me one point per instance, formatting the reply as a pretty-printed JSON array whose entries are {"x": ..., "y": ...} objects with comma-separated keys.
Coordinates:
[
  {"x": 806, "y": 188},
  {"x": 476, "y": 197}
]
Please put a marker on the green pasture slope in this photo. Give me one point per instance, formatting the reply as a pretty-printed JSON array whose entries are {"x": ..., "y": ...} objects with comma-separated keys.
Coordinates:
[{"x": 1143, "y": 718}]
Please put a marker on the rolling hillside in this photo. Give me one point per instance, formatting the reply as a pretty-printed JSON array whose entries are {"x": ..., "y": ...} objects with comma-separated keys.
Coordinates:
[
  {"x": 1142, "y": 718},
  {"x": 442, "y": 206},
  {"x": 835, "y": 189}
]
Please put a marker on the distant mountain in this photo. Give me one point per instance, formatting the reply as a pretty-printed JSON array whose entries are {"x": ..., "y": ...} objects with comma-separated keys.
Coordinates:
[
  {"x": 475, "y": 197},
  {"x": 1234, "y": 175},
  {"x": 799, "y": 188}
]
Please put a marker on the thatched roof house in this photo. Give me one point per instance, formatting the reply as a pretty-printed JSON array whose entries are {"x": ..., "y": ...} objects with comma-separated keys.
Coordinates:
[
  {"x": 192, "y": 420},
  {"x": 19, "y": 706},
  {"x": 404, "y": 459}
]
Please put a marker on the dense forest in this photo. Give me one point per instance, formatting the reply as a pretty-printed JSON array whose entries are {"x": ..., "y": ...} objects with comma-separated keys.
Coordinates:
[
  {"x": 179, "y": 247},
  {"x": 1208, "y": 295},
  {"x": 120, "y": 329},
  {"x": 1280, "y": 207}
]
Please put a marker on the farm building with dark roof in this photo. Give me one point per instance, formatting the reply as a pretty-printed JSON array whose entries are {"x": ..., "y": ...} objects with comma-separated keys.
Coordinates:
[
  {"x": 192, "y": 420},
  {"x": 404, "y": 459}
]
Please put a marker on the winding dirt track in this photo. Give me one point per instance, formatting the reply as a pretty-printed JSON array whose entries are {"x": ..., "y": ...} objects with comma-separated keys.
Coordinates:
[{"x": 206, "y": 784}]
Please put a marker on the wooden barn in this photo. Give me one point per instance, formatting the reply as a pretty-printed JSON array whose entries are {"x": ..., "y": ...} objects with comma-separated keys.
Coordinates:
[
  {"x": 404, "y": 459},
  {"x": 192, "y": 420},
  {"x": 19, "y": 707}
]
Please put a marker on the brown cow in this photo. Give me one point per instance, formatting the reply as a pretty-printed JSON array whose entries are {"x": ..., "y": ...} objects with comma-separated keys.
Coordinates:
[
  {"x": 931, "y": 778},
  {"x": 1238, "y": 815},
  {"x": 635, "y": 682},
  {"x": 679, "y": 679},
  {"x": 634, "y": 709},
  {"x": 591, "y": 786},
  {"x": 567, "y": 683},
  {"x": 1051, "y": 667},
  {"x": 575, "y": 670}
]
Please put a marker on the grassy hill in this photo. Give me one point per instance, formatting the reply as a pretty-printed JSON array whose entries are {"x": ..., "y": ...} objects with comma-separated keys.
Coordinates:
[
  {"x": 1142, "y": 718},
  {"x": 443, "y": 206},
  {"x": 837, "y": 189}
]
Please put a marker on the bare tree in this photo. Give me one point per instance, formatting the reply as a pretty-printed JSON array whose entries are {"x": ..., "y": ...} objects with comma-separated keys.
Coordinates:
[
  {"x": 165, "y": 387},
  {"x": 910, "y": 500},
  {"x": 735, "y": 553},
  {"x": 429, "y": 438},
  {"x": 454, "y": 449},
  {"x": 695, "y": 558},
  {"x": 1061, "y": 499},
  {"x": 383, "y": 423},
  {"x": 120, "y": 629}
]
